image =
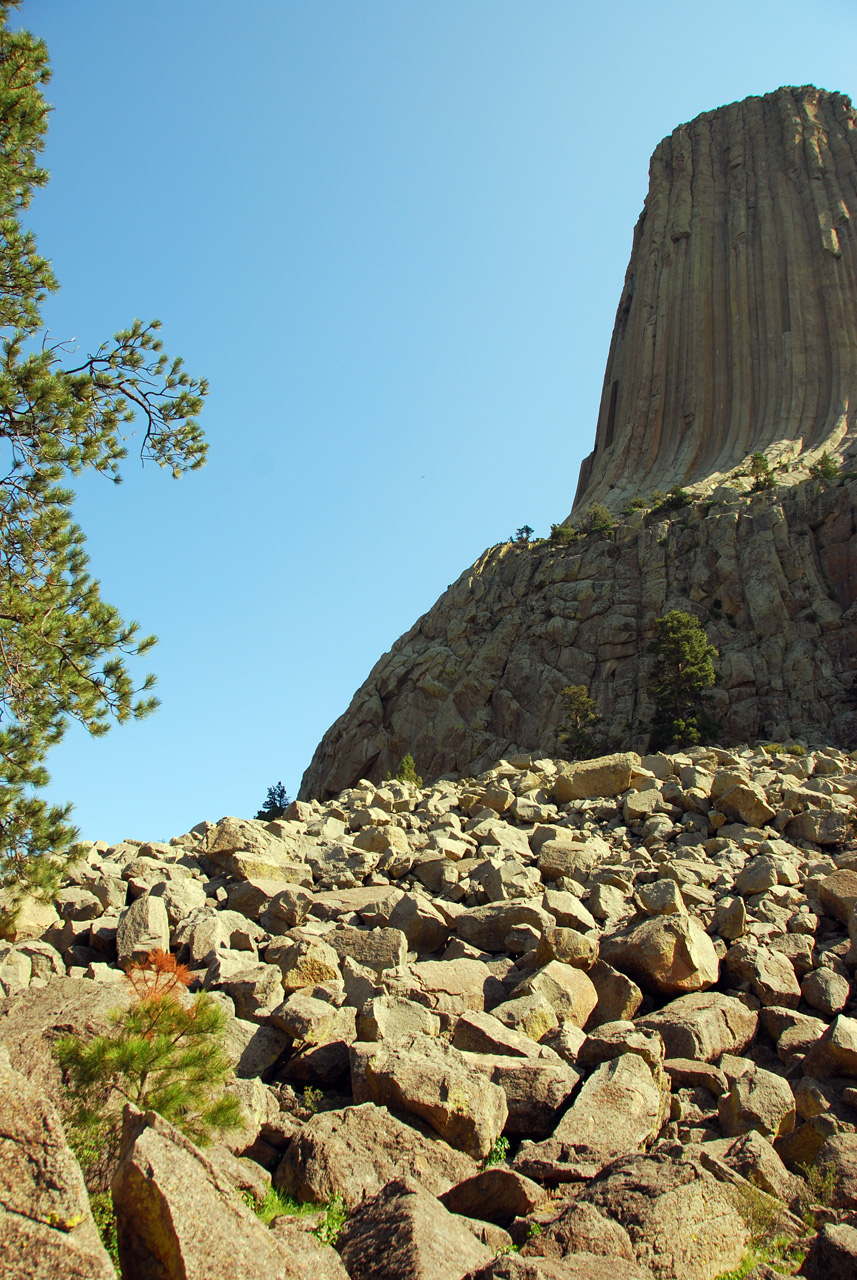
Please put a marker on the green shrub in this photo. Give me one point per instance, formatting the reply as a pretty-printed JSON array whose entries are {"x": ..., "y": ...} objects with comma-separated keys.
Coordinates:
[
  {"x": 672, "y": 501},
  {"x": 597, "y": 519},
  {"x": 637, "y": 504},
  {"x": 498, "y": 1152},
  {"x": 407, "y": 772},
  {"x": 562, "y": 533},
  {"x": 580, "y": 715},
  {"x": 825, "y": 469},
  {"x": 683, "y": 671},
  {"x": 760, "y": 470},
  {"x": 523, "y": 534}
]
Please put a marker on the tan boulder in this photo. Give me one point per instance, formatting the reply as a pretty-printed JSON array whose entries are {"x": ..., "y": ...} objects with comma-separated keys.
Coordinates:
[
  {"x": 405, "y": 1231},
  {"x": 703, "y": 1025},
  {"x": 671, "y": 955},
  {"x": 568, "y": 990},
  {"x": 432, "y": 1080},
  {"x": 46, "y": 1225},
  {"x": 619, "y": 1108},
  {"x": 605, "y": 776},
  {"x": 179, "y": 1216},
  {"x": 355, "y": 1152}
]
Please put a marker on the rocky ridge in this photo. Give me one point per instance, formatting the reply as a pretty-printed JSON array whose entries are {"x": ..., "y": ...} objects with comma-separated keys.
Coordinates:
[
  {"x": 631, "y": 979},
  {"x": 771, "y": 575}
]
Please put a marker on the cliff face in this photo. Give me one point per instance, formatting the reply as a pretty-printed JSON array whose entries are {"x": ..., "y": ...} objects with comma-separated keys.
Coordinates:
[
  {"x": 736, "y": 333},
  {"x": 773, "y": 576},
  {"x": 737, "y": 327}
]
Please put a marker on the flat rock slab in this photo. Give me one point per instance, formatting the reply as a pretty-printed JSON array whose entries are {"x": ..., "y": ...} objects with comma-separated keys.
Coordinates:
[
  {"x": 355, "y": 1152},
  {"x": 404, "y": 1231}
]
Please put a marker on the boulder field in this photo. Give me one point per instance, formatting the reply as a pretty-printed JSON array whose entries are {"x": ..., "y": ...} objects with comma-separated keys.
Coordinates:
[{"x": 558, "y": 1020}]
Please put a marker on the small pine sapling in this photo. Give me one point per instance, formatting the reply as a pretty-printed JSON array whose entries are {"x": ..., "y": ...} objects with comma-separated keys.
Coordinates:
[
  {"x": 164, "y": 1054},
  {"x": 825, "y": 469},
  {"x": 760, "y": 470},
  {"x": 406, "y": 772},
  {"x": 524, "y": 533}
]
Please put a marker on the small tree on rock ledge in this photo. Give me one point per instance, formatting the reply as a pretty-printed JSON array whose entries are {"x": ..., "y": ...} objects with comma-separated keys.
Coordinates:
[
  {"x": 580, "y": 716},
  {"x": 684, "y": 670}
]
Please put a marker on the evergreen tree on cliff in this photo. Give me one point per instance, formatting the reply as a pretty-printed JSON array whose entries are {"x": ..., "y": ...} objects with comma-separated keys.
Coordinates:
[
  {"x": 683, "y": 672},
  {"x": 63, "y": 648}
]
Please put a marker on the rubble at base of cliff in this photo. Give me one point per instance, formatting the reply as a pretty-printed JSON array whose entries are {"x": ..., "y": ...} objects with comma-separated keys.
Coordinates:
[{"x": 558, "y": 1020}]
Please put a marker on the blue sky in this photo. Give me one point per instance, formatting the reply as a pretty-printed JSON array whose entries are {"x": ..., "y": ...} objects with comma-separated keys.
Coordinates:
[{"x": 393, "y": 236}]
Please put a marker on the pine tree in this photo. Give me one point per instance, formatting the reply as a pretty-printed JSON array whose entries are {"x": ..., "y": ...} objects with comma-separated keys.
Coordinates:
[
  {"x": 63, "y": 648},
  {"x": 683, "y": 671},
  {"x": 163, "y": 1055},
  {"x": 276, "y": 803},
  {"x": 581, "y": 715}
]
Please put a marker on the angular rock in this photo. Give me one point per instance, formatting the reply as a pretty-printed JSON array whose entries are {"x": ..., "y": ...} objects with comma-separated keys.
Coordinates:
[
  {"x": 569, "y": 991},
  {"x": 703, "y": 1025},
  {"x": 497, "y": 1194},
  {"x": 405, "y": 1231},
  {"x": 758, "y": 1100},
  {"x": 605, "y": 776},
  {"x": 837, "y": 894},
  {"x": 46, "y": 1226},
  {"x": 618, "y": 997},
  {"x": 833, "y": 1254},
  {"x": 143, "y": 927},
  {"x": 177, "y": 1215},
  {"x": 618, "y": 1109},
  {"x": 536, "y": 1089},
  {"x": 432, "y": 1080},
  {"x": 681, "y": 1221},
  {"x": 671, "y": 955},
  {"x": 355, "y": 1152}
]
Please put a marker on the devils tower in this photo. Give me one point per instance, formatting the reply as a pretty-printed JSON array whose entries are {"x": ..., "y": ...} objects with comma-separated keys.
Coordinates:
[
  {"x": 735, "y": 335},
  {"x": 737, "y": 327}
]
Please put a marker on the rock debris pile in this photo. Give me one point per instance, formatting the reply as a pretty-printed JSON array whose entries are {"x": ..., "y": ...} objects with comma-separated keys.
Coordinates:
[{"x": 559, "y": 1020}]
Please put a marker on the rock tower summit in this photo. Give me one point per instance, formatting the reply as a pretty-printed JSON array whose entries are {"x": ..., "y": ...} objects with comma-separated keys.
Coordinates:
[
  {"x": 736, "y": 334},
  {"x": 737, "y": 327}
]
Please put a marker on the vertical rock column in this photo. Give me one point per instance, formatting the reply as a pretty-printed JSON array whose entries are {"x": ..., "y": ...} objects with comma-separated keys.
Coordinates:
[{"x": 737, "y": 327}]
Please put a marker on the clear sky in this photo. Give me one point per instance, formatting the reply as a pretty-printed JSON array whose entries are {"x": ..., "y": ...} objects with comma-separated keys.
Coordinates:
[{"x": 393, "y": 234}]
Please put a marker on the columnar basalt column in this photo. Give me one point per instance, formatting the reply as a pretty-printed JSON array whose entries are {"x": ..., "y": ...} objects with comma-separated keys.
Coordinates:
[{"x": 737, "y": 327}]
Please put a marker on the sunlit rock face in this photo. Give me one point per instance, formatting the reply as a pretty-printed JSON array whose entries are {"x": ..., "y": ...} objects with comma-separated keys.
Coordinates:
[
  {"x": 736, "y": 334},
  {"x": 737, "y": 327}
]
